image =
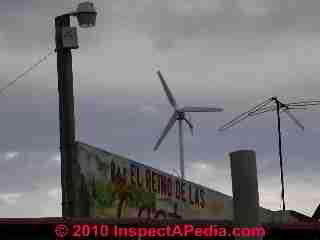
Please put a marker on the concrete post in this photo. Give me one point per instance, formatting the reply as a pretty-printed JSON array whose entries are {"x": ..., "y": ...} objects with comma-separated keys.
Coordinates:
[{"x": 245, "y": 189}]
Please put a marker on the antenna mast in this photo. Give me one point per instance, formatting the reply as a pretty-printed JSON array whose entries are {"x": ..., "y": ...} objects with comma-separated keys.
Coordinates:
[{"x": 280, "y": 107}]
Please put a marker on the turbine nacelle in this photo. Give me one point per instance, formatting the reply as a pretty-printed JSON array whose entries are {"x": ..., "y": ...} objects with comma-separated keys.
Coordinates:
[{"x": 181, "y": 115}]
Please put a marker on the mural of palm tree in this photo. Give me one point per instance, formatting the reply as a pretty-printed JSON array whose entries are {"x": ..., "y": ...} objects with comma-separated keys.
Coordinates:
[
  {"x": 128, "y": 195},
  {"x": 123, "y": 192}
]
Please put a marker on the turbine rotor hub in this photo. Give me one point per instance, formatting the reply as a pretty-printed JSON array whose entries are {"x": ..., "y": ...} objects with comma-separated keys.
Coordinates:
[{"x": 181, "y": 115}]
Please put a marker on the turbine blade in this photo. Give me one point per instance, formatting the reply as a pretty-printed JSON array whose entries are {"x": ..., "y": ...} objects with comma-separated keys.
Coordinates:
[
  {"x": 201, "y": 109},
  {"x": 244, "y": 115},
  {"x": 166, "y": 130},
  {"x": 190, "y": 125},
  {"x": 290, "y": 115},
  {"x": 167, "y": 90}
]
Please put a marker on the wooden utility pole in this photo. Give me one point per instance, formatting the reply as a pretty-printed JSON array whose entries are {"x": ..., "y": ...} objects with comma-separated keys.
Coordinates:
[{"x": 66, "y": 116}]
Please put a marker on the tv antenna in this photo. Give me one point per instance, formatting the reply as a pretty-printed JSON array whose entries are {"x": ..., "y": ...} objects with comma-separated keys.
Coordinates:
[
  {"x": 180, "y": 115},
  {"x": 279, "y": 108}
]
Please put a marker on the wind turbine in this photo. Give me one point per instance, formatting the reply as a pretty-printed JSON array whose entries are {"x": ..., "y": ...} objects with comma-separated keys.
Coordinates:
[
  {"x": 279, "y": 107},
  {"x": 180, "y": 115}
]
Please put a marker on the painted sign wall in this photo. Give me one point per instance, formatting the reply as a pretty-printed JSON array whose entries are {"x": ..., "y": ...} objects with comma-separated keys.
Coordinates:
[{"x": 120, "y": 187}]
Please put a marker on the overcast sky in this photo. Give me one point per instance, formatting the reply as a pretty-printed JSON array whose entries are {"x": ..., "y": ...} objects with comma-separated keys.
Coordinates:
[{"x": 232, "y": 54}]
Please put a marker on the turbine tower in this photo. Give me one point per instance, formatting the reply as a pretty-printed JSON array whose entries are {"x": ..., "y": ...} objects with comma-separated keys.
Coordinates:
[{"x": 180, "y": 115}]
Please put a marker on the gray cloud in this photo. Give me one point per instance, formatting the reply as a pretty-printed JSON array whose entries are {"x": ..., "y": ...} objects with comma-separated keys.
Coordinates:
[
  {"x": 33, "y": 204},
  {"x": 3, "y": 203},
  {"x": 29, "y": 172},
  {"x": 167, "y": 22}
]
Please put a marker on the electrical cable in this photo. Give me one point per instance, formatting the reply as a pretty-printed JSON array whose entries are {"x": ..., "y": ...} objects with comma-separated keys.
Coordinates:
[{"x": 26, "y": 71}]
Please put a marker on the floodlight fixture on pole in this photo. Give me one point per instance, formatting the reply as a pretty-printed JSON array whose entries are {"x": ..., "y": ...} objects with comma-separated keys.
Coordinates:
[
  {"x": 280, "y": 107},
  {"x": 66, "y": 39},
  {"x": 179, "y": 115},
  {"x": 86, "y": 14}
]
